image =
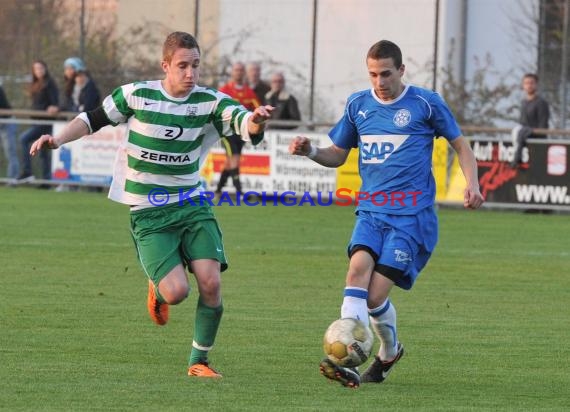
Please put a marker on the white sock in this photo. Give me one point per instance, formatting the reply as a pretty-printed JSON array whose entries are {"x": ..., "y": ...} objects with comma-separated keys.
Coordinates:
[
  {"x": 383, "y": 320},
  {"x": 354, "y": 304}
]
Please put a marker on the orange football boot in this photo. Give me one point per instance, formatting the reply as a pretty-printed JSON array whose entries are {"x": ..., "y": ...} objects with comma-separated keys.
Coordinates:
[
  {"x": 158, "y": 311},
  {"x": 203, "y": 370}
]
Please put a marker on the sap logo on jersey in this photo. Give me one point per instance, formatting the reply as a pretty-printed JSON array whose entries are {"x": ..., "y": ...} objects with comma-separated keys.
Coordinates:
[{"x": 377, "y": 148}]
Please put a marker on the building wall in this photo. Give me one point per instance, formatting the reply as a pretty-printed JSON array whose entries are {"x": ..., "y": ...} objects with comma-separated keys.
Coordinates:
[
  {"x": 278, "y": 33},
  {"x": 496, "y": 28},
  {"x": 172, "y": 15}
]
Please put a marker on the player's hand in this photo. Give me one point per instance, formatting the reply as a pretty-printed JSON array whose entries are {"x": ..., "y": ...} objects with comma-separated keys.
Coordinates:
[
  {"x": 300, "y": 146},
  {"x": 262, "y": 114},
  {"x": 45, "y": 140},
  {"x": 472, "y": 198}
]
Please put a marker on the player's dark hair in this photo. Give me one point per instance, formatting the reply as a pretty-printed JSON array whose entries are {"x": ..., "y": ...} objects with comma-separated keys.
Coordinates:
[
  {"x": 385, "y": 49},
  {"x": 178, "y": 40},
  {"x": 532, "y": 76}
]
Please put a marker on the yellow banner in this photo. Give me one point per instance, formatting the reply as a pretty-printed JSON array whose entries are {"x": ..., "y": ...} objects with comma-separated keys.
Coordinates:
[
  {"x": 347, "y": 176},
  {"x": 439, "y": 168}
]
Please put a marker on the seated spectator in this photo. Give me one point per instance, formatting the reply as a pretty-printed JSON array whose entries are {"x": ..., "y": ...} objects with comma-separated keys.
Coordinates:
[
  {"x": 535, "y": 114},
  {"x": 286, "y": 107}
]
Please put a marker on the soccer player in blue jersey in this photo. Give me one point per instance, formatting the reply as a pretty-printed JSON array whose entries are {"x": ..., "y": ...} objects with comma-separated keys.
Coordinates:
[{"x": 393, "y": 125}]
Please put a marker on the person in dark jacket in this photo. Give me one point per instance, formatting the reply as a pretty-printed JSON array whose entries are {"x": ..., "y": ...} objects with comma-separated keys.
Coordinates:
[
  {"x": 80, "y": 93},
  {"x": 286, "y": 107},
  {"x": 535, "y": 114},
  {"x": 44, "y": 94},
  {"x": 253, "y": 74},
  {"x": 535, "y": 111},
  {"x": 8, "y": 135}
]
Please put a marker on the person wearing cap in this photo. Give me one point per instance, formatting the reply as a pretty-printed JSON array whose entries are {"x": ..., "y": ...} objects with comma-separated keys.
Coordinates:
[{"x": 80, "y": 91}]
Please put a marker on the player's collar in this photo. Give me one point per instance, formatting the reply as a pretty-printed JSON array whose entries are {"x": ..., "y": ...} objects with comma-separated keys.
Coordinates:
[{"x": 397, "y": 99}]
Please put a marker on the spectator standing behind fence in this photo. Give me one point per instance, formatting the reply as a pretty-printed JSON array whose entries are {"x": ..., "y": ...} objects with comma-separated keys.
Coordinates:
[
  {"x": 286, "y": 107},
  {"x": 80, "y": 93},
  {"x": 253, "y": 73},
  {"x": 8, "y": 132},
  {"x": 240, "y": 91},
  {"x": 535, "y": 114},
  {"x": 44, "y": 94}
]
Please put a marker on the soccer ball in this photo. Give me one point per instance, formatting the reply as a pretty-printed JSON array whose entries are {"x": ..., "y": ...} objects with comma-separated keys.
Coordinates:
[{"x": 348, "y": 342}]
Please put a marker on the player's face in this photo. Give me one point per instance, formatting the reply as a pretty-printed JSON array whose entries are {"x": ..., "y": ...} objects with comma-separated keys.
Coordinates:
[
  {"x": 182, "y": 72},
  {"x": 386, "y": 79}
]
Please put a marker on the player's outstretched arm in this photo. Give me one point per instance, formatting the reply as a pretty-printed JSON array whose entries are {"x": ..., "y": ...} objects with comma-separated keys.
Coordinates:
[
  {"x": 472, "y": 198},
  {"x": 332, "y": 156},
  {"x": 74, "y": 130}
]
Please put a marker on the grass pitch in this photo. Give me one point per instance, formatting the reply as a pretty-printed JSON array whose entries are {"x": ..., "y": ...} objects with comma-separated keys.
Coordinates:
[{"x": 485, "y": 327}]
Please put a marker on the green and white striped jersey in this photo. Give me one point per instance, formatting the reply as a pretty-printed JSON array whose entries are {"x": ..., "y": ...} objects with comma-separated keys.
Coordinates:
[{"x": 167, "y": 138}]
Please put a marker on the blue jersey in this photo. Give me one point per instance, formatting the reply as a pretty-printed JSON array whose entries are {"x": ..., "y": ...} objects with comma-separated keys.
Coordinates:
[{"x": 395, "y": 143}]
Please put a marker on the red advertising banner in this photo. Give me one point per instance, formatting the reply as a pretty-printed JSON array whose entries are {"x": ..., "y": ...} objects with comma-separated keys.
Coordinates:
[{"x": 541, "y": 181}]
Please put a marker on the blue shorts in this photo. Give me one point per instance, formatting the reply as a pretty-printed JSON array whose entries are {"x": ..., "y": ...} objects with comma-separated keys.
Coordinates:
[{"x": 401, "y": 245}]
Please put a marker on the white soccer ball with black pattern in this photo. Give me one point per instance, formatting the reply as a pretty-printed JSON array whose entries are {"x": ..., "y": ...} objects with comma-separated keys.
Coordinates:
[{"x": 348, "y": 342}]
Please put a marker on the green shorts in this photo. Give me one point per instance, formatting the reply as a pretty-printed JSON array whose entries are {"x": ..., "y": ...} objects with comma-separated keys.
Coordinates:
[{"x": 169, "y": 235}]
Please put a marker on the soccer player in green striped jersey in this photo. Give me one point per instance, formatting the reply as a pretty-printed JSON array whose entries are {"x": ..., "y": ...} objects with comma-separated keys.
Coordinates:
[{"x": 171, "y": 125}]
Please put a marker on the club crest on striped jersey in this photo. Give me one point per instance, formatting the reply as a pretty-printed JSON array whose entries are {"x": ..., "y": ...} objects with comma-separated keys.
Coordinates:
[
  {"x": 191, "y": 110},
  {"x": 378, "y": 148},
  {"x": 402, "y": 117}
]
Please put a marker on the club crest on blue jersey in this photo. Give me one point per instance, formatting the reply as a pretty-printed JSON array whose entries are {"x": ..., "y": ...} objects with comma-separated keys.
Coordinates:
[
  {"x": 377, "y": 148},
  {"x": 402, "y": 117}
]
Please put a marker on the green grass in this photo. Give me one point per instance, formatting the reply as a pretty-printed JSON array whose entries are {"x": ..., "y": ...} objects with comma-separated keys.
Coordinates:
[{"x": 485, "y": 327}]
